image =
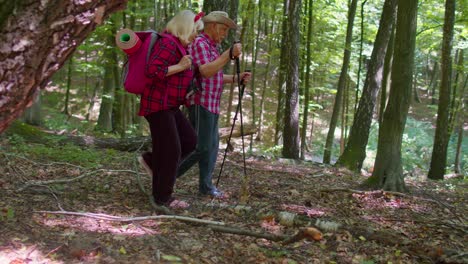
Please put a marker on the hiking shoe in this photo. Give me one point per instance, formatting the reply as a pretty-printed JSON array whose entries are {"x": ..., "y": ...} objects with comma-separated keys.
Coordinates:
[
  {"x": 173, "y": 203},
  {"x": 215, "y": 193},
  {"x": 145, "y": 165}
]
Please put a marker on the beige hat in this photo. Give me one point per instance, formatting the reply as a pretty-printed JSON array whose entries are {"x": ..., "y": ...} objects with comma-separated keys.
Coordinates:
[{"x": 219, "y": 17}]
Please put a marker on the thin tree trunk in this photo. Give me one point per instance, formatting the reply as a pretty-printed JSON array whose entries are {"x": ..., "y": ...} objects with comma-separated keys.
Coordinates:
[
  {"x": 461, "y": 117},
  {"x": 388, "y": 170},
  {"x": 456, "y": 100},
  {"x": 67, "y": 92},
  {"x": 433, "y": 84},
  {"x": 415, "y": 89},
  {"x": 341, "y": 84},
  {"x": 307, "y": 79},
  {"x": 267, "y": 75},
  {"x": 282, "y": 75},
  {"x": 360, "y": 57},
  {"x": 442, "y": 133},
  {"x": 105, "y": 119},
  {"x": 256, "y": 48}
]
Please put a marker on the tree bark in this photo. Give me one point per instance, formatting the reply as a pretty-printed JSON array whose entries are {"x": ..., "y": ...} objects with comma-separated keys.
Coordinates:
[
  {"x": 355, "y": 151},
  {"x": 388, "y": 171},
  {"x": 279, "y": 122},
  {"x": 38, "y": 37},
  {"x": 307, "y": 79},
  {"x": 291, "y": 113},
  {"x": 384, "y": 91},
  {"x": 341, "y": 84},
  {"x": 442, "y": 133}
]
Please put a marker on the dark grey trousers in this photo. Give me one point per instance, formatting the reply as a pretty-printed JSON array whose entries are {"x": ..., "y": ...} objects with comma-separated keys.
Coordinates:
[{"x": 205, "y": 124}]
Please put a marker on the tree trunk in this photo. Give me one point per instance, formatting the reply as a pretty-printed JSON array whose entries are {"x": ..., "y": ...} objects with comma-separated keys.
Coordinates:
[
  {"x": 49, "y": 32},
  {"x": 355, "y": 151},
  {"x": 461, "y": 117},
  {"x": 69, "y": 80},
  {"x": 387, "y": 71},
  {"x": 442, "y": 133},
  {"x": 255, "y": 48},
  {"x": 291, "y": 112},
  {"x": 361, "y": 42},
  {"x": 33, "y": 115},
  {"x": 415, "y": 89},
  {"x": 307, "y": 79},
  {"x": 433, "y": 83},
  {"x": 388, "y": 171},
  {"x": 341, "y": 84},
  {"x": 456, "y": 99},
  {"x": 104, "y": 122},
  {"x": 279, "y": 122},
  {"x": 269, "y": 50}
]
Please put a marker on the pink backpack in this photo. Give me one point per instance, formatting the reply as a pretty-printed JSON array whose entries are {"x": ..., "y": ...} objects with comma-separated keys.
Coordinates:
[{"x": 138, "y": 47}]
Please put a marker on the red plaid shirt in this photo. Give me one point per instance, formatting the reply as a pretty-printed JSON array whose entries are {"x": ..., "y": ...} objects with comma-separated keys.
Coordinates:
[
  {"x": 165, "y": 92},
  {"x": 204, "y": 50}
]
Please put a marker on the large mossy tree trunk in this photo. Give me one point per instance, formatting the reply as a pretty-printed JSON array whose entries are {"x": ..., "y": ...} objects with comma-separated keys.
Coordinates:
[
  {"x": 291, "y": 112},
  {"x": 355, "y": 151},
  {"x": 341, "y": 84},
  {"x": 442, "y": 133},
  {"x": 388, "y": 171},
  {"x": 37, "y": 38}
]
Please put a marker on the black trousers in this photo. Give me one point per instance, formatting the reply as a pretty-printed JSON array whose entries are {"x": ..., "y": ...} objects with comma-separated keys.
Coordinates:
[{"x": 173, "y": 138}]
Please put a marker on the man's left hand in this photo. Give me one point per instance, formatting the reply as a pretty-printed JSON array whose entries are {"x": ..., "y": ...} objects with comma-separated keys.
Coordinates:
[{"x": 245, "y": 77}]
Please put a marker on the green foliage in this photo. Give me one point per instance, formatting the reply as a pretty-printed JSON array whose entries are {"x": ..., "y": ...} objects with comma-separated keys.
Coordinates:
[
  {"x": 7, "y": 214},
  {"x": 54, "y": 152},
  {"x": 416, "y": 147}
]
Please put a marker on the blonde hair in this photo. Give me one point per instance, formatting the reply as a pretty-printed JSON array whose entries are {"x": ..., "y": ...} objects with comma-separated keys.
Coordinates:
[{"x": 182, "y": 25}]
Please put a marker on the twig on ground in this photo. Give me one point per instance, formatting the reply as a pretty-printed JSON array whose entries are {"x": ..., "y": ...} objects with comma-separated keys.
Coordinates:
[{"x": 131, "y": 219}]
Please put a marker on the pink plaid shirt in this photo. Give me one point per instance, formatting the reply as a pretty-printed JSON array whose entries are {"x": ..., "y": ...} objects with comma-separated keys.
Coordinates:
[{"x": 204, "y": 50}]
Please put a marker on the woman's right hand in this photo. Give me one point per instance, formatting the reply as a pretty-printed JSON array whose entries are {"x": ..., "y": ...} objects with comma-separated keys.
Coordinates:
[{"x": 185, "y": 62}]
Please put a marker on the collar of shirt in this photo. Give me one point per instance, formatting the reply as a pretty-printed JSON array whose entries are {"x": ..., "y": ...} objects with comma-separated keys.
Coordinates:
[{"x": 209, "y": 40}]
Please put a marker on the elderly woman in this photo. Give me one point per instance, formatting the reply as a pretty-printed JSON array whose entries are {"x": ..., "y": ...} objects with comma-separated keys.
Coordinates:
[{"x": 172, "y": 136}]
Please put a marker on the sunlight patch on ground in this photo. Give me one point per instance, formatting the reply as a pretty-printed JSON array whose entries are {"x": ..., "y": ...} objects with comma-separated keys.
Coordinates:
[
  {"x": 17, "y": 252},
  {"x": 101, "y": 226},
  {"x": 300, "y": 209},
  {"x": 379, "y": 200}
]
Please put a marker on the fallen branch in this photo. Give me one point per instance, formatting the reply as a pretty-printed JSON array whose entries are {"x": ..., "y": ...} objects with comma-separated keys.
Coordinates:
[
  {"x": 132, "y": 219},
  {"x": 225, "y": 131},
  {"x": 305, "y": 233}
]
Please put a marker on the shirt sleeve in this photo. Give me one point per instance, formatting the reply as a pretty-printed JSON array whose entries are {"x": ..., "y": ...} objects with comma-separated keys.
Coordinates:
[
  {"x": 160, "y": 59},
  {"x": 200, "y": 53}
]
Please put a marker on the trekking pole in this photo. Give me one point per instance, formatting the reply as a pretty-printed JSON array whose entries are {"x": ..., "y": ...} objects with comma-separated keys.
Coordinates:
[{"x": 241, "y": 88}]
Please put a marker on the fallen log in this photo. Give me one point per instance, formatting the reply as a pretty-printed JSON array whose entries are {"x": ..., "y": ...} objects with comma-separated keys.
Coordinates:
[{"x": 37, "y": 135}]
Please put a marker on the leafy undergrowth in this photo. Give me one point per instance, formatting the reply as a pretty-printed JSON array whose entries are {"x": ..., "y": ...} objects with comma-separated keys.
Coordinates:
[{"x": 425, "y": 226}]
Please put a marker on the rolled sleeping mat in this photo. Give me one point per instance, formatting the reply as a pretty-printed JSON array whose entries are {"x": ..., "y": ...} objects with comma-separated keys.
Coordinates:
[{"x": 127, "y": 40}]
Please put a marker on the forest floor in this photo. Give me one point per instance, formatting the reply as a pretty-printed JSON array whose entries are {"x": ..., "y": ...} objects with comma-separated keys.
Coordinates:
[{"x": 426, "y": 225}]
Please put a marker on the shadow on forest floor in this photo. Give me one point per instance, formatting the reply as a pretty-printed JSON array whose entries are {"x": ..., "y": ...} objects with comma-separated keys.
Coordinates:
[{"x": 424, "y": 226}]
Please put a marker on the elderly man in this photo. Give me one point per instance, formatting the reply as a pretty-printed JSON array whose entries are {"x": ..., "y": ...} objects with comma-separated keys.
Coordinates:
[{"x": 205, "y": 102}]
